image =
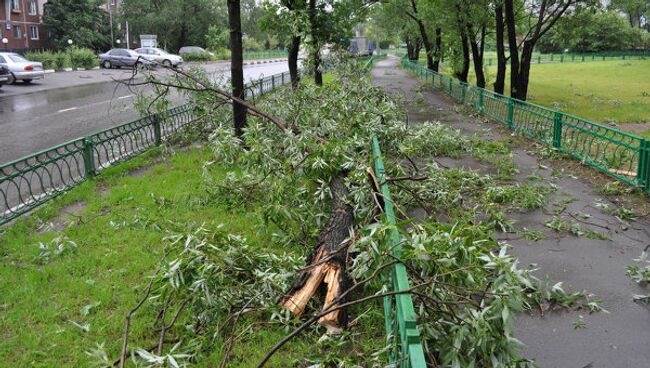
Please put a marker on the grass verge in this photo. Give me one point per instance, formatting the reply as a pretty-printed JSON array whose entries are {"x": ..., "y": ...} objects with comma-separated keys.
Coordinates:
[{"x": 72, "y": 270}]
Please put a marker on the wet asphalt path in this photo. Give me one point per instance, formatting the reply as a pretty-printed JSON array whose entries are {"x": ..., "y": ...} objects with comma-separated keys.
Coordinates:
[{"x": 68, "y": 105}]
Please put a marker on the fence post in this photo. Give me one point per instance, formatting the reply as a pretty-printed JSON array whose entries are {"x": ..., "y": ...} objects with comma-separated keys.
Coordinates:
[
  {"x": 481, "y": 92},
  {"x": 463, "y": 88},
  {"x": 557, "y": 130},
  {"x": 261, "y": 86},
  {"x": 272, "y": 82},
  {"x": 89, "y": 158},
  {"x": 539, "y": 60},
  {"x": 562, "y": 58},
  {"x": 283, "y": 79},
  {"x": 643, "y": 171},
  {"x": 551, "y": 57},
  {"x": 451, "y": 88},
  {"x": 511, "y": 112},
  {"x": 156, "y": 129}
]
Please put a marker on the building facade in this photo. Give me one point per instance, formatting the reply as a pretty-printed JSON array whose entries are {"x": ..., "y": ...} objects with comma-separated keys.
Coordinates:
[{"x": 21, "y": 24}]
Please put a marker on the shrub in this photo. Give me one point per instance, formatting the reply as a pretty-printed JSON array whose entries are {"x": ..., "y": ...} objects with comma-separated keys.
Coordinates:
[
  {"x": 198, "y": 56},
  {"x": 82, "y": 58},
  {"x": 222, "y": 54},
  {"x": 46, "y": 57},
  {"x": 61, "y": 60}
]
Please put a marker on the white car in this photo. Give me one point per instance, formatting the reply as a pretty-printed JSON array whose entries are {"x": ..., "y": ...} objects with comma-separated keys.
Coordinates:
[
  {"x": 160, "y": 56},
  {"x": 21, "y": 69}
]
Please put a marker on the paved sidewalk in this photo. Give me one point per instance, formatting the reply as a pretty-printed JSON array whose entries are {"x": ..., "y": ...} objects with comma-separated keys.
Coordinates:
[{"x": 616, "y": 339}]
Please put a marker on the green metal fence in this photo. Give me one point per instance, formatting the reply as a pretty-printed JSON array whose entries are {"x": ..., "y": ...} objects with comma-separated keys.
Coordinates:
[
  {"x": 265, "y": 54},
  {"x": 580, "y": 57},
  {"x": 28, "y": 182},
  {"x": 399, "y": 314},
  {"x": 622, "y": 155}
]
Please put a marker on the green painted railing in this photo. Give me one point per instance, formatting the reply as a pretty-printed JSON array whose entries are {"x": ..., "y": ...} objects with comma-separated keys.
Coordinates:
[
  {"x": 265, "y": 54},
  {"x": 580, "y": 57},
  {"x": 622, "y": 155},
  {"x": 28, "y": 182},
  {"x": 399, "y": 314}
]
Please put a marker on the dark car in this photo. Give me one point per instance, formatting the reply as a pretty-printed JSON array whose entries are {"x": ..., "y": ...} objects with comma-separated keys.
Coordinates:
[
  {"x": 5, "y": 76},
  {"x": 116, "y": 58}
]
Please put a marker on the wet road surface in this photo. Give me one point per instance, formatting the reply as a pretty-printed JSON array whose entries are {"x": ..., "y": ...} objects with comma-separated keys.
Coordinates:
[{"x": 68, "y": 105}]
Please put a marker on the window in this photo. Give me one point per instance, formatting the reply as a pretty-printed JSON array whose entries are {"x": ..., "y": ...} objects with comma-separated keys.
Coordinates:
[
  {"x": 3, "y": 60},
  {"x": 18, "y": 32},
  {"x": 15, "y": 5},
  {"x": 33, "y": 9},
  {"x": 33, "y": 32}
]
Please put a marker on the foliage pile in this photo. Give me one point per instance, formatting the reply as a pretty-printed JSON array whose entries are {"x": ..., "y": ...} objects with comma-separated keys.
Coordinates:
[{"x": 466, "y": 287}]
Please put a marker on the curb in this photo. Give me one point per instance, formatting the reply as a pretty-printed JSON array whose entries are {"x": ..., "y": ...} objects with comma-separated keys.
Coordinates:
[{"x": 50, "y": 71}]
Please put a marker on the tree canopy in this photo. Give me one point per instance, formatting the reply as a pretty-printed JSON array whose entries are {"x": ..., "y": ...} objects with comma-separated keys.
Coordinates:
[{"x": 82, "y": 21}]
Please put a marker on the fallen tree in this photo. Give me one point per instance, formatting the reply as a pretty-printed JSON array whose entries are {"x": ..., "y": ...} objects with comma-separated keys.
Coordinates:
[{"x": 304, "y": 166}]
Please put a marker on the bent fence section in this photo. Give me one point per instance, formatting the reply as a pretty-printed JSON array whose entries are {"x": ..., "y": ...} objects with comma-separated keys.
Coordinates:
[
  {"x": 622, "y": 155},
  {"x": 30, "y": 181},
  {"x": 399, "y": 314}
]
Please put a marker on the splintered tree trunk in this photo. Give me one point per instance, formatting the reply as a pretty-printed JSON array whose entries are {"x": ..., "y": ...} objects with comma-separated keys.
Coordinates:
[{"x": 326, "y": 267}]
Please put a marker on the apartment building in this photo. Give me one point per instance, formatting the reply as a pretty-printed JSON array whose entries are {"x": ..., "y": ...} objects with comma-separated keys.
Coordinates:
[{"x": 21, "y": 24}]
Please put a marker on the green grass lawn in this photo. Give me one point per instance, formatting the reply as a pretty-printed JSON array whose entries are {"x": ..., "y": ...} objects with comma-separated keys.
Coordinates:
[{"x": 55, "y": 307}]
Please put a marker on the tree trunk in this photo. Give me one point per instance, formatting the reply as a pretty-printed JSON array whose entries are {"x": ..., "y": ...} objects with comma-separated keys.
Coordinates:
[
  {"x": 327, "y": 263},
  {"x": 524, "y": 70},
  {"x": 499, "y": 83},
  {"x": 236, "y": 66},
  {"x": 464, "y": 72},
  {"x": 436, "y": 62},
  {"x": 428, "y": 46},
  {"x": 512, "y": 45},
  {"x": 477, "y": 55},
  {"x": 318, "y": 74},
  {"x": 294, "y": 48}
]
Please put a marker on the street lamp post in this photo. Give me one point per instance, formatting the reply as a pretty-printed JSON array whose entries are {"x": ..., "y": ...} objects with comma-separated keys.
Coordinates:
[
  {"x": 69, "y": 42},
  {"x": 5, "y": 41}
]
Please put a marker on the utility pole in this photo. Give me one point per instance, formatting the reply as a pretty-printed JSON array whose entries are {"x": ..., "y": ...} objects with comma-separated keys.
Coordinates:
[{"x": 128, "y": 44}]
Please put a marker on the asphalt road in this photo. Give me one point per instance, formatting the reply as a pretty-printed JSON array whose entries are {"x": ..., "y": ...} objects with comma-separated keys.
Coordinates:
[{"x": 68, "y": 105}]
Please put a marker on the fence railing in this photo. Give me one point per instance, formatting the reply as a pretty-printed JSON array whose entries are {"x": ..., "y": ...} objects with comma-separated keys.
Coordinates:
[
  {"x": 622, "y": 155},
  {"x": 581, "y": 57},
  {"x": 265, "y": 54},
  {"x": 28, "y": 182},
  {"x": 399, "y": 314}
]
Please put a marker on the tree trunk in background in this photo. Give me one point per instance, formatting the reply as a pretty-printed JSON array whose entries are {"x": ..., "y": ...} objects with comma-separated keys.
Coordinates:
[
  {"x": 524, "y": 70},
  {"x": 318, "y": 74},
  {"x": 499, "y": 83},
  {"x": 236, "y": 66},
  {"x": 436, "y": 62},
  {"x": 294, "y": 48},
  {"x": 462, "y": 74},
  {"x": 428, "y": 45},
  {"x": 512, "y": 45},
  {"x": 477, "y": 55}
]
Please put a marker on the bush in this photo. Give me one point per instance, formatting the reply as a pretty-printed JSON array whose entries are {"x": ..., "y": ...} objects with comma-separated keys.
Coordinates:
[
  {"x": 46, "y": 57},
  {"x": 222, "y": 54},
  {"x": 61, "y": 60},
  {"x": 198, "y": 56},
  {"x": 82, "y": 58}
]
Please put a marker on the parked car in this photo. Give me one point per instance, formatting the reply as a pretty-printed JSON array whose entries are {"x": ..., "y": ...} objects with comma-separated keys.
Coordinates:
[
  {"x": 193, "y": 50},
  {"x": 5, "y": 76},
  {"x": 20, "y": 68},
  {"x": 117, "y": 58},
  {"x": 160, "y": 56}
]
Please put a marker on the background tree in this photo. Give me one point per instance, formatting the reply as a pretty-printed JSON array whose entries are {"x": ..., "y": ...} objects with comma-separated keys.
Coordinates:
[
  {"x": 82, "y": 21},
  {"x": 637, "y": 11},
  {"x": 541, "y": 15},
  {"x": 177, "y": 23},
  {"x": 237, "y": 66}
]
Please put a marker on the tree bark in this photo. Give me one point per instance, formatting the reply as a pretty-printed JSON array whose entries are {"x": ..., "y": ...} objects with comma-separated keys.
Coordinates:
[
  {"x": 318, "y": 74},
  {"x": 327, "y": 263},
  {"x": 464, "y": 72},
  {"x": 428, "y": 45},
  {"x": 436, "y": 62},
  {"x": 512, "y": 45},
  {"x": 477, "y": 54},
  {"x": 237, "y": 66},
  {"x": 294, "y": 48},
  {"x": 499, "y": 83}
]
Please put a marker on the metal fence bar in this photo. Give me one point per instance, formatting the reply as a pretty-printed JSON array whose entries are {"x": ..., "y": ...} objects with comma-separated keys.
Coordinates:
[
  {"x": 399, "y": 313},
  {"x": 622, "y": 155}
]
